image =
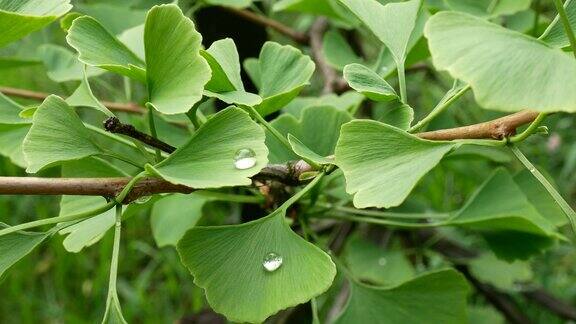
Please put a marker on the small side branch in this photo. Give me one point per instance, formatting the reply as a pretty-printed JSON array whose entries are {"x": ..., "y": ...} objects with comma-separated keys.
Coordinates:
[
  {"x": 271, "y": 23},
  {"x": 317, "y": 32},
  {"x": 113, "y": 125},
  {"x": 495, "y": 129}
]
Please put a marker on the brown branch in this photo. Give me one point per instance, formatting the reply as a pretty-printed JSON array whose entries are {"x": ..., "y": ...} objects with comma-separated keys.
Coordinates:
[
  {"x": 317, "y": 32},
  {"x": 271, "y": 23},
  {"x": 113, "y": 125},
  {"x": 110, "y": 187},
  {"x": 28, "y": 94},
  {"x": 494, "y": 129},
  {"x": 558, "y": 307}
]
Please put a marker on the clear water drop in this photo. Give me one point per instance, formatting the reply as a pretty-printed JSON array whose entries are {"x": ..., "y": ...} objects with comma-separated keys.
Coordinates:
[
  {"x": 272, "y": 261},
  {"x": 244, "y": 159},
  {"x": 382, "y": 261},
  {"x": 143, "y": 199}
]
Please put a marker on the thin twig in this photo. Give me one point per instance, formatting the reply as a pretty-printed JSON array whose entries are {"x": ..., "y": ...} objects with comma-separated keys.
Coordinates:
[
  {"x": 114, "y": 125},
  {"x": 271, "y": 23},
  {"x": 28, "y": 94},
  {"x": 558, "y": 307}
]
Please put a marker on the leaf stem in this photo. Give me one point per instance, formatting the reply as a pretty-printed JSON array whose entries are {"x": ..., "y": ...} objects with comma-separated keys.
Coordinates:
[
  {"x": 568, "y": 211},
  {"x": 402, "y": 82},
  {"x": 152, "y": 126},
  {"x": 192, "y": 114},
  {"x": 302, "y": 192},
  {"x": 380, "y": 221},
  {"x": 533, "y": 127},
  {"x": 383, "y": 214},
  {"x": 58, "y": 219},
  {"x": 112, "y": 282},
  {"x": 256, "y": 115},
  {"x": 440, "y": 107},
  {"x": 222, "y": 196},
  {"x": 566, "y": 23}
]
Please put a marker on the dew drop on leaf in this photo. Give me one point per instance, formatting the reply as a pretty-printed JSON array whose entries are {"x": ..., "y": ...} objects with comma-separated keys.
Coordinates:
[
  {"x": 143, "y": 199},
  {"x": 244, "y": 159},
  {"x": 272, "y": 262},
  {"x": 382, "y": 261}
]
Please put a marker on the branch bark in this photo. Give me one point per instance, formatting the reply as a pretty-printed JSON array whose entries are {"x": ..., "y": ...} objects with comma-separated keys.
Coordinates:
[
  {"x": 495, "y": 129},
  {"x": 113, "y": 125},
  {"x": 271, "y": 23},
  {"x": 130, "y": 107},
  {"x": 317, "y": 32}
]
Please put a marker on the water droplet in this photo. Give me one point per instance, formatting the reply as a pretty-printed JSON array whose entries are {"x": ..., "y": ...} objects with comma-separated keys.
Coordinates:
[
  {"x": 382, "y": 261},
  {"x": 143, "y": 199},
  {"x": 244, "y": 159},
  {"x": 272, "y": 262}
]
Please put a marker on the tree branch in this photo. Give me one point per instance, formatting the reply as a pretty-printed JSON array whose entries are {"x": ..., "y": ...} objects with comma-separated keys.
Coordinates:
[
  {"x": 113, "y": 125},
  {"x": 495, "y": 129},
  {"x": 317, "y": 32},
  {"x": 130, "y": 107},
  {"x": 271, "y": 23}
]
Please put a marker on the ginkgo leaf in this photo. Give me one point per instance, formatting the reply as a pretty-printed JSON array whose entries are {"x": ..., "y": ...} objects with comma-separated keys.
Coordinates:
[
  {"x": 97, "y": 47},
  {"x": 207, "y": 160},
  {"x": 501, "y": 274},
  {"x": 172, "y": 216},
  {"x": 382, "y": 164},
  {"x": 83, "y": 97},
  {"x": 507, "y": 70},
  {"x": 57, "y": 134},
  {"x": 392, "y": 23},
  {"x": 62, "y": 65},
  {"x": 486, "y": 8},
  {"x": 337, "y": 51},
  {"x": 230, "y": 3},
  {"x": 228, "y": 262},
  {"x": 555, "y": 34},
  {"x": 434, "y": 297},
  {"x": 324, "y": 120},
  {"x": 10, "y": 112},
  {"x": 306, "y": 153},
  {"x": 511, "y": 225},
  {"x": 15, "y": 246},
  {"x": 176, "y": 73},
  {"x": 133, "y": 38},
  {"x": 326, "y": 8},
  {"x": 282, "y": 71},
  {"x": 226, "y": 82},
  {"x": 91, "y": 230},
  {"x": 368, "y": 83},
  {"x": 113, "y": 314},
  {"x": 20, "y": 18}
]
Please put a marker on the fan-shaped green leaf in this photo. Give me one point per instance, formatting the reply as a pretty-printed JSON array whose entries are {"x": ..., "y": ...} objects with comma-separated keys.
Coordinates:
[
  {"x": 435, "y": 297},
  {"x": 97, "y": 47},
  {"x": 498, "y": 273},
  {"x": 63, "y": 65},
  {"x": 227, "y": 261},
  {"x": 368, "y": 83},
  {"x": 337, "y": 51},
  {"x": 325, "y": 121},
  {"x": 133, "y": 38},
  {"x": 382, "y": 164},
  {"x": 392, "y": 23},
  {"x": 507, "y": 70},
  {"x": 207, "y": 160},
  {"x": 91, "y": 230},
  {"x": 489, "y": 8},
  {"x": 172, "y": 216},
  {"x": 511, "y": 225},
  {"x": 540, "y": 198},
  {"x": 10, "y": 112},
  {"x": 230, "y": 3},
  {"x": 57, "y": 134},
  {"x": 83, "y": 97},
  {"x": 15, "y": 246},
  {"x": 176, "y": 73},
  {"x": 19, "y": 18},
  {"x": 283, "y": 71},
  {"x": 555, "y": 34},
  {"x": 226, "y": 83},
  {"x": 327, "y": 8}
]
